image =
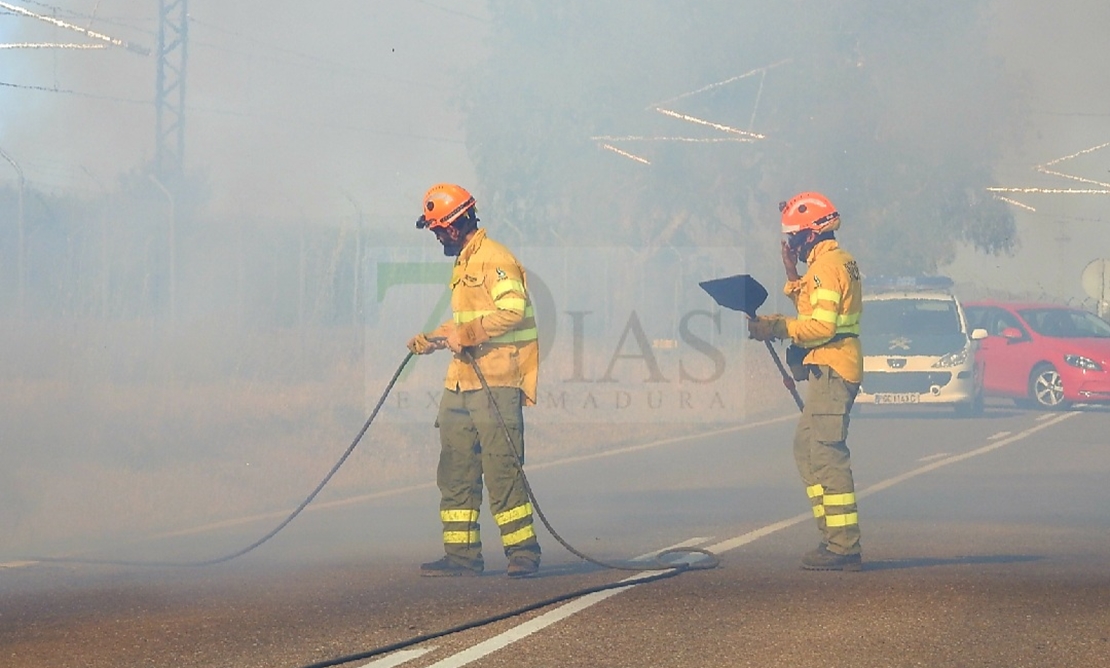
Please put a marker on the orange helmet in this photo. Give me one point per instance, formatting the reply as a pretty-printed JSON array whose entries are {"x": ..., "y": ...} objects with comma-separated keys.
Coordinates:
[
  {"x": 809, "y": 211},
  {"x": 443, "y": 204}
]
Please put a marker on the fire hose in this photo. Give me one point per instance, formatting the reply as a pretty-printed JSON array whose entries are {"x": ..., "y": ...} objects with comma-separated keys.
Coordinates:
[
  {"x": 662, "y": 568},
  {"x": 710, "y": 562}
]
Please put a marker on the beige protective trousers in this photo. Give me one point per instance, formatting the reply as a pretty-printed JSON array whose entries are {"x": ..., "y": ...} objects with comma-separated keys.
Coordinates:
[
  {"x": 474, "y": 447},
  {"x": 823, "y": 459}
]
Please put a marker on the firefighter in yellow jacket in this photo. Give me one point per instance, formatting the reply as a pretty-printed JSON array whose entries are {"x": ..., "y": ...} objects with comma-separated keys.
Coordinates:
[
  {"x": 494, "y": 326},
  {"x": 829, "y": 304}
]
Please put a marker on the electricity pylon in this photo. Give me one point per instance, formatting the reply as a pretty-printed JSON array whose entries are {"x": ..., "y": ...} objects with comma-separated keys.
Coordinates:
[{"x": 169, "y": 96}]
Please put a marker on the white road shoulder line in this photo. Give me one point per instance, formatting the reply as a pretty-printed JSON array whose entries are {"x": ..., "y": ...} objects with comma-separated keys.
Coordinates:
[
  {"x": 397, "y": 658},
  {"x": 890, "y": 482}
]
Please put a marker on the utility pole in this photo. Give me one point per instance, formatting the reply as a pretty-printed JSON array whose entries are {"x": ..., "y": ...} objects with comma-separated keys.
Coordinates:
[
  {"x": 172, "y": 237},
  {"x": 169, "y": 96},
  {"x": 22, "y": 251}
]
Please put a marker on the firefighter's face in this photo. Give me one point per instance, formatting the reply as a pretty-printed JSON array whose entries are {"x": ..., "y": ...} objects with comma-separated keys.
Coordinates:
[
  {"x": 796, "y": 241},
  {"x": 800, "y": 243},
  {"x": 450, "y": 238}
]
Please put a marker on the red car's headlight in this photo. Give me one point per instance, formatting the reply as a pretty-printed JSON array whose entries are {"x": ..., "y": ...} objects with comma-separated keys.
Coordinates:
[{"x": 1082, "y": 362}]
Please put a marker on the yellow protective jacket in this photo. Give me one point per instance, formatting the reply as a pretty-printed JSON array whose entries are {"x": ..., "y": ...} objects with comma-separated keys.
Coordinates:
[
  {"x": 493, "y": 316},
  {"x": 829, "y": 301}
]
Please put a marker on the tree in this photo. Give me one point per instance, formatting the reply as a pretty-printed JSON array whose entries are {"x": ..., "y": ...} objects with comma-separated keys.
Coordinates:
[{"x": 894, "y": 110}]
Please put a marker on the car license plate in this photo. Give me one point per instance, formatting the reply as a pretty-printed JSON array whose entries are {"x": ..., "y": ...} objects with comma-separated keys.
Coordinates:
[{"x": 896, "y": 398}]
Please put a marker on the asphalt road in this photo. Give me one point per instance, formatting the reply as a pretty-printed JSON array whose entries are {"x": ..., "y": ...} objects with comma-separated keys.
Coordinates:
[{"x": 986, "y": 543}]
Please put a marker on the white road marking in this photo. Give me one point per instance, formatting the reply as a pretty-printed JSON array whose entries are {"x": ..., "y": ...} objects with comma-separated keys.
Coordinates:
[
  {"x": 999, "y": 435},
  {"x": 506, "y": 638},
  {"x": 1046, "y": 416},
  {"x": 397, "y": 658},
  {"x": 890, "y": 482},
  {"x": 565, "y": 610},
  {"x": 932, "y": 457},
  {"x": 526, "y": 629},
  {"x": 662, "y": 442},
  {"x": 689, "y": 542},
  {"x": 751, "y": 536}
]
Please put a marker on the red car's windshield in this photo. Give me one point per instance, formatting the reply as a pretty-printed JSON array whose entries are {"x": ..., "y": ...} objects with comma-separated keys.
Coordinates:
[{"x": 1065, "y": 323}]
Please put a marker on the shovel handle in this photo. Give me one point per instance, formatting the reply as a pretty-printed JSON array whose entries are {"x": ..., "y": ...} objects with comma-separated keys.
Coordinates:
[{"x": 787, "y": 379}]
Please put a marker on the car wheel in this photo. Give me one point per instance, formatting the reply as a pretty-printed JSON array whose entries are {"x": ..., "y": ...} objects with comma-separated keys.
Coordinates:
[{"x": 1046, "y": 388}]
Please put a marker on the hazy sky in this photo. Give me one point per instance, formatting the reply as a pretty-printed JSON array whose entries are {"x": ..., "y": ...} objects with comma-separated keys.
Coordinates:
[
  {"x": 291, "y": 106},
  {"x": 1058, "y": 50},
  {"x": 318, "y": 108}
]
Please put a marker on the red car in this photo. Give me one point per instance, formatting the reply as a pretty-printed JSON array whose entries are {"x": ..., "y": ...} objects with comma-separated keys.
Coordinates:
[{"x": 1042, "y": 355}]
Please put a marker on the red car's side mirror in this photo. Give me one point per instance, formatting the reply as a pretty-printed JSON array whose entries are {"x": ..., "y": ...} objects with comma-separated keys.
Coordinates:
[{"x": 1012, "y": 333}]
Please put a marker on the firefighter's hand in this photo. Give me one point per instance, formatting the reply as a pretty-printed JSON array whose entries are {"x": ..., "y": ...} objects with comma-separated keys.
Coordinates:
[
  {"x": 422, "y": 345},
  {"x": 453, "y": 342},
  {"x": 790, "y": 261},
  {"x": 766, "y": 328}
]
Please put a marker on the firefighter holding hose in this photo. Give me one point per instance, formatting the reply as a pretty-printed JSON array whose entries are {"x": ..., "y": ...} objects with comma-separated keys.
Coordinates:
[
  {"x": 826, "y": 352},
  {"x": 494, "y": 327}
]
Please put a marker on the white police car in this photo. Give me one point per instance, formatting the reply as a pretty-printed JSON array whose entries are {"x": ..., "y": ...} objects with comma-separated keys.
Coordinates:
[{"x": 916, "y": 346}]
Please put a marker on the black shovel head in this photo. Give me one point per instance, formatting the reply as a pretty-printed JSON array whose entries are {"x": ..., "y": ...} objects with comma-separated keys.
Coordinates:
[{"x": 739, "y": 293}]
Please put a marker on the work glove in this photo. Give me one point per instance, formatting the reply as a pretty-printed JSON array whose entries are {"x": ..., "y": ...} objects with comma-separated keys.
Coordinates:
[
  {"x": 421, "y": 345},
  {"x": 767, "y": 327}
]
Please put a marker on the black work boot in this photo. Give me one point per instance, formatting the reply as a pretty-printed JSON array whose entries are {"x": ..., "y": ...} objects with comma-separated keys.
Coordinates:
[
  {"x": 446, "y": 568},
  {"x": 823, "y": 560},
  {"x": 522, "y": 567}
]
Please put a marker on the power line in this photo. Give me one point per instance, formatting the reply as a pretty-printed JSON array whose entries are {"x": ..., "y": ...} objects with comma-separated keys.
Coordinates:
[
  {"x": 323, "y": 63},
  {"x": 64, "y": 91},
  {"x": 315, "y": 122},
  {"x": 1091, "y": 114},
  {"x": 452, "y": 11}
]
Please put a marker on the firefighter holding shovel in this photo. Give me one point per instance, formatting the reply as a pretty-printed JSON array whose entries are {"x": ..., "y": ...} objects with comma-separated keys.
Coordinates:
[{"x": 825, "y": 352}]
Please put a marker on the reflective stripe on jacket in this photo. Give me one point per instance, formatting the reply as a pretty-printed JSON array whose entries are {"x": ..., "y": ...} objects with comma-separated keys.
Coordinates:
[
  {"x": 493, "y": 315},
  {"x": 829, "y": 301}
]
